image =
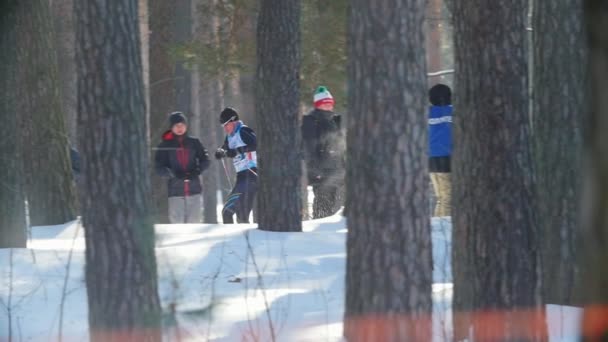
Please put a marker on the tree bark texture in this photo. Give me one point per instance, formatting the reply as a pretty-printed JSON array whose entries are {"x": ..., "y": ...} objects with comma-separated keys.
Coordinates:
[
  {"x": 209, "y": 114},
  {"x": 47, "y": 171},
  {"x": 182, "y": 34},
  {"x": 206, "y": 106},
  {"x": 162, "y": 90},
  {"x": 389, "y": 261},
  {"x": 63, "y": 19},
  {"x": 144, "y": 31},
  {"x": 121, "y": 274},
  {"x": 12, "y": 202},
  {"x": 595, "y": 203},
  {"x": 495, "y": 237},
  {"x": 433, "y": 42},
  {"x": 277, "y": 107},
  {"x": 560, "y": 103}
]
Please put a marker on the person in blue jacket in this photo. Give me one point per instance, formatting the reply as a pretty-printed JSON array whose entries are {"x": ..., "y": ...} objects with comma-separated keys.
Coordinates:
[{"x": 440, "y": 146}]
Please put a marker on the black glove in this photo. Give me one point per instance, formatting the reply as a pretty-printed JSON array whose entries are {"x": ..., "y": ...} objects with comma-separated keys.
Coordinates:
[
  {"x": 231, "y": 153},
  {"x": 220, "y": 153}
]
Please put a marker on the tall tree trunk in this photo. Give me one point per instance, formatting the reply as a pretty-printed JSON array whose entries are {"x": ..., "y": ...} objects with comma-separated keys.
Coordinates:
[
  {"x": 121, "y": 272},
  {"x": 12, "y": 209},
  {"x": 182, "y": 34},
  {"x": 162, "y": 90},
  {"x": 203, "y": 100},
  {"x": 389, "y": 261},
  {"x": 47, "y": 172},
  {"x": 495, "y": 238},
  {"x": 595, "y": 223},
  {"x": 560, "y": 101},
  {"x": 433, "y": 42},
  {"x": 277, "y": 107},
  {"x": 63, "y": 19},
  {"x": 144, "y": 31},
  {"x": 210, "y": 139}
]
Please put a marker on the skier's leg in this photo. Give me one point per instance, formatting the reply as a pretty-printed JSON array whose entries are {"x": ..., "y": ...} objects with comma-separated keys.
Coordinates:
[
  {"x": 435, "y": 181},
  {"x": 227, "y": 216},
  {"x": 444, "y": 187},
  {"x": 230, "y": 206},
  {"x": 176, "y": 210},
  {"x": 249, "y": 187}
]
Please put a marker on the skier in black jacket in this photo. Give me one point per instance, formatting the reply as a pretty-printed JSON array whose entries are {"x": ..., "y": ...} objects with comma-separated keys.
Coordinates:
[
  {"x": 240, "y": 145},
  {"x": 181, "y": 159},
  {"x": 324, "y": 150}
]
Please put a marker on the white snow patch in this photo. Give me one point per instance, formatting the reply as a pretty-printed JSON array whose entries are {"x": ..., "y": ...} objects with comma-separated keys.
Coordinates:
[{"x": 227, "y": 283}]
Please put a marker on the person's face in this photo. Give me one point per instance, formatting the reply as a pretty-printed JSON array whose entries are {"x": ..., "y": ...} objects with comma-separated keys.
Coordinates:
[
  {"x": 179, "y": 128},
  {"x": 229, "y": 127},
  {"x": 327, "y": 106}
]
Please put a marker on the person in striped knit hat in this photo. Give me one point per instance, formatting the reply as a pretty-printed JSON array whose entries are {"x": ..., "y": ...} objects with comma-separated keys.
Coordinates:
[{"x": 324, "y": 150}]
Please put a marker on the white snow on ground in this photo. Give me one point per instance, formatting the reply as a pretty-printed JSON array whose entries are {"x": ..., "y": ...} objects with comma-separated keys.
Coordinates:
[{"x": 227, "y": 283}]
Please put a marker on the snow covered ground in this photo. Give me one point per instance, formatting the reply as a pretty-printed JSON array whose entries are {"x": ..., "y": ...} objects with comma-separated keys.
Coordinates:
[{"x": 226, "y": 283}]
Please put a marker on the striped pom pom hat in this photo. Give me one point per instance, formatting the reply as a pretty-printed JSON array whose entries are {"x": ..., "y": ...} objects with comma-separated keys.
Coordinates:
[{"x": 323, "y": 96}]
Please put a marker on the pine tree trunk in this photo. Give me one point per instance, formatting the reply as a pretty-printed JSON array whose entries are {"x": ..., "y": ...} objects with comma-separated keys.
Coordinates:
[
  {"x": 495, "y": 236},
  {"x": 206, "y": 113},
  {"x": 277, "y": 107},
  {"x": 12, "y": 209},
  {"x": 433, "y": 42},
  {"x": 595, "y": 203},
  {"x": 210, "y": 140},
  {"x": 144, "y": 31},
  {"x": 389, "y": 261},
  {"x": 560, "y": 102},
  {"x": 182, "y": 34},
  {"x": 63, "y": 19},
  {"x": 47, "y": 171},
  {"x": 120, "y": 270},
  {"x": 162, "y": 90}
]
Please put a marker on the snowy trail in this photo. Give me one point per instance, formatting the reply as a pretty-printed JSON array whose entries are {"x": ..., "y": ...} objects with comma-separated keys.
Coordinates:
[{"x": 226, "y": 283}]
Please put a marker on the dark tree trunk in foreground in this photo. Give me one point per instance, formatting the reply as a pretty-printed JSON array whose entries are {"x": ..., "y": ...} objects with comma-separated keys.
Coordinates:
[
  {"x": 277, "y": 107},
  {"x": 47, "y": 170},
  {"x": 389, "y": 261},
  {"x": 495, "y": 239},
  {"x": 560, "y": 102},
  {"x": 120, "y": 262},
  {"x": 12, "y": 209},
  {"x": 595, "y": 204}
]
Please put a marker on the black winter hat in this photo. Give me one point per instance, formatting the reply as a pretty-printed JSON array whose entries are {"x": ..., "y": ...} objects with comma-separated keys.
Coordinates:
[
  {"x": 177, "y": 117},
  {"x": 440, "y": 95},
  {"x": 228, "y": 114}
]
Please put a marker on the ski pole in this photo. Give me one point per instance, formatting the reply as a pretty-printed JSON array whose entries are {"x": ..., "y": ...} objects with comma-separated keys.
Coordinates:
[{"x": 226, "y": 173}]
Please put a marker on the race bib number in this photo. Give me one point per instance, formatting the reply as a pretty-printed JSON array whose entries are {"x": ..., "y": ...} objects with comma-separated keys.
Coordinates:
[{"x": 245, "y": 161}]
